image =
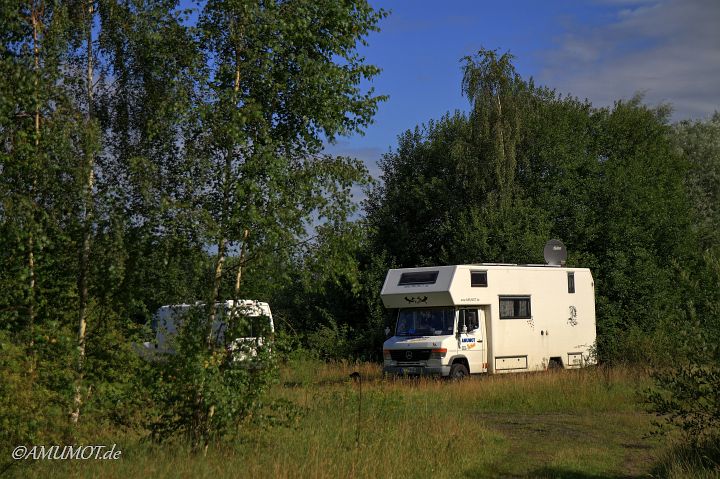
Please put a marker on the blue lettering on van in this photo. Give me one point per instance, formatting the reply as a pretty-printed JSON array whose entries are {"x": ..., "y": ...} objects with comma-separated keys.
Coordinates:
[{"x": 468, "y": 340}]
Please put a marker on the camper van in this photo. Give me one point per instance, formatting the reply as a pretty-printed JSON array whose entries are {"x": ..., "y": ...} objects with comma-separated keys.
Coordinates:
[
  {"x": 489, "y": 318},
  {"x": 258, "y": 324}
]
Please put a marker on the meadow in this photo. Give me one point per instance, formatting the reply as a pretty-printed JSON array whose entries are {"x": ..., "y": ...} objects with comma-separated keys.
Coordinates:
[{"x": 568, "y": 424}]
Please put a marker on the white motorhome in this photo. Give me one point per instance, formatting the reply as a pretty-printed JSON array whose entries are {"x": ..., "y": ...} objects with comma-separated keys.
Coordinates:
[
  {"x": 489, "y": 318},
  {"x": 168, "y": 319}
]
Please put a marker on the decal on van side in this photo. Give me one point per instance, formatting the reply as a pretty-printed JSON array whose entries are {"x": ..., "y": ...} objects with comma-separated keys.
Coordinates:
[
  {"x": 414, "y": 300},
  {"x": 572, "y": 320}
]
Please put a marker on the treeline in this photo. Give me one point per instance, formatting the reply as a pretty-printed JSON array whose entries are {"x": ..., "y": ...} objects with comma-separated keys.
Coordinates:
[
  {"x": 632, "y": 195},
  {"x": 156, "y": 156}
]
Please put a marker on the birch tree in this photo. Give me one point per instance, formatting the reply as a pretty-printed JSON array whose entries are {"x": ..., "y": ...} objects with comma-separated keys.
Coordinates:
[
  {"x": 86, "y": 179},
  {"x": 37, "y": 123},
  {"x": 495, "y": 90},
  {"x": 135, "y": 185},
  {"x": 282, "y": 76},
  {"x": 279, "y": 78}
]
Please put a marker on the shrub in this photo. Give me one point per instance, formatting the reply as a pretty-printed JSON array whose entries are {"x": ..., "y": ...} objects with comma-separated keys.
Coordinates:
[
  {"x": 687, "y": 396},
  {"x": 331, "y": 341},
  {"x": 204, "y": 392}
]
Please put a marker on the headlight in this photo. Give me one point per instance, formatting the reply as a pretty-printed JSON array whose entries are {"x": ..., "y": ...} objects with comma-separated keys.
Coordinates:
[{"x": 438, "y": 353}]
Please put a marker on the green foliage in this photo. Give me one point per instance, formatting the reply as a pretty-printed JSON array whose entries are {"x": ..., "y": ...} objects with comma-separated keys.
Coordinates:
[
  {"x": 34, "y": 388},
  {"x": 687, "y": 397},
  {"x": 527, "y": 165},
  {"x": 193, "y": 160},
  {"x": 514, "y": 234},
  {"x": 20, "y": 414},
  {"x": 330, "y": 303},
  {"x": 498, "y": 96},
  {"x": 113, "y": 189},
  {"x": 287, "y": 345},
  {"x": 699, "y": 142},
  {"x": 284, "y": 82},
  {"x": 330, "y": 341},
  {"x": 686, "y": 394},
  {"x": 206, "y": 392},
  {"x": 114, "y": 395}
]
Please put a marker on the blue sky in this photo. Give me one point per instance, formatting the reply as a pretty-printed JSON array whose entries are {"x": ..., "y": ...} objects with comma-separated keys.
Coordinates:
[{"x": 602, "y": 50}]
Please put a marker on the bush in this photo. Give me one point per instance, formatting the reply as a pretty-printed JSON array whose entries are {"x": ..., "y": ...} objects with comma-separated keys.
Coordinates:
[
  {"x": 331, "y": 341},
  {"x": 203, "y": 392},
  {"x": 687, "y": 396},
  {"x": 287, "y": 346},
  {"x": 33, "y": 402}
]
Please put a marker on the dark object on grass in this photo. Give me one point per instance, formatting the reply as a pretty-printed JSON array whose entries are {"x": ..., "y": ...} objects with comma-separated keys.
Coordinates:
[{"x": 358, "y": 379}]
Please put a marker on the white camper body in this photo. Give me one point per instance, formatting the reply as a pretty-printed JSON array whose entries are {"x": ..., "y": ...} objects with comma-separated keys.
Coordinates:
[
  {"x": 168, "y": 319},
  {"x": 489, "y": 318}
]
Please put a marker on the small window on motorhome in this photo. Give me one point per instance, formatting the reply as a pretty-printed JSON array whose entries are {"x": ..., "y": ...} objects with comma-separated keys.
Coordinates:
[
  {"x": 468, "y": 318},
  {"x": 478, "y": 279},
  {"x": 571, "y": 282},
  {"x": 418, "y": 277},
  {"x": 515, "y": 307}
]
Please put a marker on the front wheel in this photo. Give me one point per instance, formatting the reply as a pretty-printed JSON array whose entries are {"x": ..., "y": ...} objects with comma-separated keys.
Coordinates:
[{"x": 459, "y": 371}]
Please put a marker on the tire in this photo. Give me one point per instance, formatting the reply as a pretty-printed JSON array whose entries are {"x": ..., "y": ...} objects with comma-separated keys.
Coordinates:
[
  {"x": 459, "y": 371},
  {"x": 554, "y": 365}
]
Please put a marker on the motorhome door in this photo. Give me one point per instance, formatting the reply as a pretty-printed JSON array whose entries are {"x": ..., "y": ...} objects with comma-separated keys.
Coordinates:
[{"x": 471, "y": 338}]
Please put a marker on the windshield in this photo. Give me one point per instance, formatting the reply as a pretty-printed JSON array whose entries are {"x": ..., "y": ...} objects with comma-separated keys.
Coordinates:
[{"x": 425, "y": 322}]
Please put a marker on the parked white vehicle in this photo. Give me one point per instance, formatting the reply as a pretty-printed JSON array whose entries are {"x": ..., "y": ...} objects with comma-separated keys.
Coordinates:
[
  {"x": 259, "y": 322},
  {"x": 489, "y": 318}
]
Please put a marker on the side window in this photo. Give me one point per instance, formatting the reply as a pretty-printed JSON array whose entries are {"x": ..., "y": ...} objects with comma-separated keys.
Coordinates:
[
  {"x": 469, "y": 318},
  {"x": 515, "y": 307},
  {"x": 478, "y": 279},
  {"x": 571, "y": 282}
]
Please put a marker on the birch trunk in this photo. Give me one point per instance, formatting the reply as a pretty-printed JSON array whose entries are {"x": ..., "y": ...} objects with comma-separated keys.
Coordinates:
[
  {"x": 35, "y": 18},
  {"x": 219, "y": 264},
  {"x": 222, "y": 242},
  {"x": 238, "y": 277},
  {"x": 87, "y": 218}
]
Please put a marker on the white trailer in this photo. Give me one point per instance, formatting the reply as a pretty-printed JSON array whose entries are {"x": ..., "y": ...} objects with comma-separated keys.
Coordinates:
[
  {"x": 167, "y": 320},
  {"x": 489, "y": 318}
]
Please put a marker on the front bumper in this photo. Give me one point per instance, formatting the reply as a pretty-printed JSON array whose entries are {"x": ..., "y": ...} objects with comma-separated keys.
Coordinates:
[{"x": 413, "y": 370}]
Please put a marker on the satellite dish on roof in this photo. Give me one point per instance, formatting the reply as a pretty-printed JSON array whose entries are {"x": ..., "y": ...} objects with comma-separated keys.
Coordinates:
[{"x": 555, "y": 252}]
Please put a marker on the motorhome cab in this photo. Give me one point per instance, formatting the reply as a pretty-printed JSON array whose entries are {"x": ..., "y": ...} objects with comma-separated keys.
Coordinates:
[{"x": 489, "y": 318}]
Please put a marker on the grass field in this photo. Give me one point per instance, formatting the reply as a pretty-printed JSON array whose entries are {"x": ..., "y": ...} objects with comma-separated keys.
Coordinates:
[{"x": 567, "y": 424}]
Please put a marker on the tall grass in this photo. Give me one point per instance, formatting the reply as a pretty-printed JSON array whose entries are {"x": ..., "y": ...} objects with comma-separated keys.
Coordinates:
[
  {"x": 682, "y": 460},
  {"x": 584, "y": 423}
]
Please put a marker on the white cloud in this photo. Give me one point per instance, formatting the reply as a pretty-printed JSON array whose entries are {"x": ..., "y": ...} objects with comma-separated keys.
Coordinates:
[{"x": 668, "y": 50}]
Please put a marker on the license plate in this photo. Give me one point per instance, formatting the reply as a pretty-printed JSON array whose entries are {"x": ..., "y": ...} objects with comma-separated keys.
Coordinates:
[{"x": 411, "y": 370}]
